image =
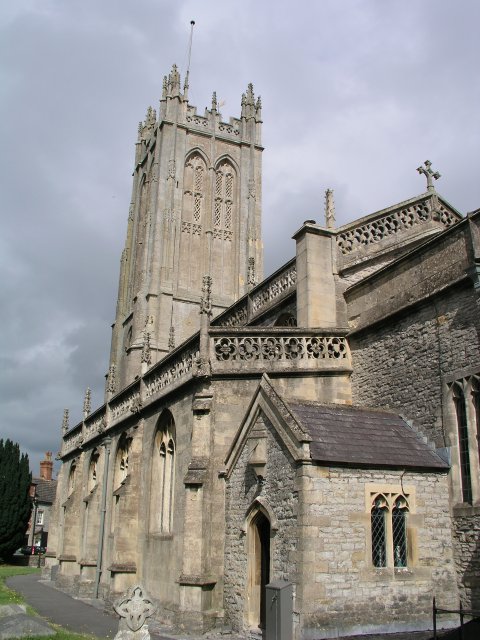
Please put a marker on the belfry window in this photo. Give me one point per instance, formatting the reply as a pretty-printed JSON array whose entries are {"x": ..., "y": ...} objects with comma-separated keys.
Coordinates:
[
  {"x": 224, "y": 198},
  {"x": 463, "y": 444}
]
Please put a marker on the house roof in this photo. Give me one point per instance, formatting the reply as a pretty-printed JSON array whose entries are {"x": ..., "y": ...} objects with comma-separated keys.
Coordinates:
[
  {"x": 356, "y": 436},
  {"x": 45, "y": 490}
]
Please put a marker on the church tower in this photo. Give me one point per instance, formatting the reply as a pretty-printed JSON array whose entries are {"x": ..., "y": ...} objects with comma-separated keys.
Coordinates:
[{"x": 195, "y": 210}]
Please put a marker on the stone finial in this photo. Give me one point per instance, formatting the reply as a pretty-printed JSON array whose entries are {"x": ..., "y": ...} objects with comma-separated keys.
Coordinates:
[
  {"x": 140, "y": 130},
  {"x": 134, "y": 609},
  {"x": 146, "y": 351},
  {"x": 251, "y": 280},
  {"x": 87, "y": 403},
  {"x": 329, "y": 209},
  {"x": 111, "y": 379},
  {"x": 174, "y": 82},
  {"x": 206, "y": 299},
  {"x": 65, "y": 421},
  {"x": 186, "y": 86},
  {"x": 171, "y": 338},
  {"x": 244, "y": 106},
  {"x": 429, "y": 173},
  {"x": 214, "y": 101},
  {"x": 164, "y": 88},
  {"x": 250, "y": 98}
]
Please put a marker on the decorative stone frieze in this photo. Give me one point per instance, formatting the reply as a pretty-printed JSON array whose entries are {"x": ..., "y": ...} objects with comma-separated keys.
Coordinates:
[{"x": 125, "y": 404}]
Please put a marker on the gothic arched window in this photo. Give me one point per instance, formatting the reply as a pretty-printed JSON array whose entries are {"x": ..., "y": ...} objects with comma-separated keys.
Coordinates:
[
  {"x": 162, "y": 479},
  {"x": 379, "y": 540},
  {"x": 93, "y": 470},
  {"x": 463, "y": 445},
  {"x": 223, "y": 211},
  {"x": 389, "y": 541},
  {"x": 399, "y": 532}
]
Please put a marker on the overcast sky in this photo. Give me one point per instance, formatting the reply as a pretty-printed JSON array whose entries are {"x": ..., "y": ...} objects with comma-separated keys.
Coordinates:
[{"x": 355, "y": 94}]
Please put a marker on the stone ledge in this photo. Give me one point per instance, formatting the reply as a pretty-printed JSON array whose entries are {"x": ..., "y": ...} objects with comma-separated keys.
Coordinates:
[
  {"x": 127, "y": 567},
  {"x": 67, "y": 558},
  {"x": 197, "y": 580}
]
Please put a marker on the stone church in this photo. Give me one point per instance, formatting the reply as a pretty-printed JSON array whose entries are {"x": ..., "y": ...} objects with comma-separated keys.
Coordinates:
[{"x": 319, "y": 426}]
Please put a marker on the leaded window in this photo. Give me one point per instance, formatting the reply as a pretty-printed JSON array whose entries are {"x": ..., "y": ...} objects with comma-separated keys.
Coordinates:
[
  {"x": 463, "y": 443},
  {"x": 399, "y": 532},
  {"x": 389, "y": 539},
  {"x": 224, "y": 198},
  {"x": 162, "y": 480},
  {"x": 379, "y": 555}
]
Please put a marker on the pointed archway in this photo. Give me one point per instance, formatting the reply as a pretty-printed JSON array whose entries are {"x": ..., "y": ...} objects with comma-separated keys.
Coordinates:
[{"x": 258, "y": 568}]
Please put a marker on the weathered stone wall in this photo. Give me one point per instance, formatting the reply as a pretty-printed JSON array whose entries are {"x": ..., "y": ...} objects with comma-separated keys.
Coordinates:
[
  {"x": 279, "y": 492},
  {"x": 343, "y": 592},
  {"x": 406, "y": 364},
  {"x": 323, "y": 545}
]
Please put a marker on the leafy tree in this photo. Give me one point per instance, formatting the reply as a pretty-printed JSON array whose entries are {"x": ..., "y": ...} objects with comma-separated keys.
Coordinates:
[{"x": 15, "y": 502}]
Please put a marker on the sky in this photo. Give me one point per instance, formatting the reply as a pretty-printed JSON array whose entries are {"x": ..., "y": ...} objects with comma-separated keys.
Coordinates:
[{"x": 356, "y": 94}]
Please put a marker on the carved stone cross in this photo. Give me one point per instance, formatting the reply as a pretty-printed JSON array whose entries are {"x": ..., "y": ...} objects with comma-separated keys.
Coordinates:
[
  {"x": 134, "y": 611},
  {"x": 427, "y": 171}
]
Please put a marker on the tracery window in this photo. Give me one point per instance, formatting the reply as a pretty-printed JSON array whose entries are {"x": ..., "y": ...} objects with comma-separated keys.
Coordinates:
[
  {"x": 389, "y": 540},
  {"x": 162, "y": 479},
  {"x": 71, "y": 478},
  {"x": 223, "y": 211}
]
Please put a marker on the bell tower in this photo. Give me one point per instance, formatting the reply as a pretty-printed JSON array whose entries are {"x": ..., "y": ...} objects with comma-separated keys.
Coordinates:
[{"x": 195, "y": 210}]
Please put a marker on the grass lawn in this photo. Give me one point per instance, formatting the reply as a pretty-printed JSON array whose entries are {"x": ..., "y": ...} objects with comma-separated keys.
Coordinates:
[{"x": 7, "y": 596}]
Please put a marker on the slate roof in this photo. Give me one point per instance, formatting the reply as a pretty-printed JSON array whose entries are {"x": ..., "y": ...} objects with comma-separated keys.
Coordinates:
[
  {"x": 354, "y": 436},
  {"x": 46, "y": 489}
]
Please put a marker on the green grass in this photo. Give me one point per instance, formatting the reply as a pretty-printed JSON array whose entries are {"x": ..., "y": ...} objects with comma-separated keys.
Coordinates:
[{"x": 7, "y": 596}]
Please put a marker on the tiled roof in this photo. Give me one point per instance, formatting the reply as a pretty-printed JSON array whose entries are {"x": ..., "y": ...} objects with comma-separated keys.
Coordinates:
[
  {"x": 46, "y": 489},
  {"x": 356, "y": 436}
]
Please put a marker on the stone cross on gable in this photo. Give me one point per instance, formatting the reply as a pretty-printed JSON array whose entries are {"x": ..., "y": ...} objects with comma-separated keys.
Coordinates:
[{"x": 429, "y": 173}]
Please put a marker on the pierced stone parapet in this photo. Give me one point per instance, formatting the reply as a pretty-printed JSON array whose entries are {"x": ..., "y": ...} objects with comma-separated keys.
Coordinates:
[
  {"x": 237, "y": 317},
  {"x": 394, "y": 222},
  {"x": 172, "y": 369},
  {"x": 95, "y": 424},
  {"x": 270, "y": 348},
  {"x": 125, "y": 404},
  {"x": 283, "y": 283},
  {"x": 73, "y": 439}
]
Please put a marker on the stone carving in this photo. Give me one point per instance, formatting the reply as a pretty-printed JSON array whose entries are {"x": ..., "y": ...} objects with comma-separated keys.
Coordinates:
[
  {"x": 252, "y": 191},
  {"x": 429, "y": 174},
  {"x": 280, "y": 348},
  {"x": 198, "y": 120},
  {"x": 169, "y": 216},
  {"x": 171, "y": 338},
  {"x": 111, "y": 379},
  {"x": 251, "y": 272},
  {"x": 136, "y": 405},
  {"x": 73, "y": 440},
  {"x": 274, "y": 288},
  {"x": 329, "y": 209},
  {"x": 214, "y": 101},
  {"x": 171, "y": 168},
  {"x": 202, "y": 368},
  {"x": 87, "y": 403},
  {"x": 174, "y": 369},
  {"x": 130, "y": 211},
  {"x": 206, "y": 299},
  {"x": 146, "y": 351},
  {"x": 379, "y": 229},
  {"x": 134, "y": 609},
  {"x": 65, "y": 421}
]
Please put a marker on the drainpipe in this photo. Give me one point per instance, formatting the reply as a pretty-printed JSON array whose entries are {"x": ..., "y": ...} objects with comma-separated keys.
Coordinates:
[{"x": 103, "y": 510}]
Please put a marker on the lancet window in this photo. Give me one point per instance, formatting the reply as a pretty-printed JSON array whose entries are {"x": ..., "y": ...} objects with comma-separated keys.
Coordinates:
[
  {"x": 193, "y": 211},
  {"x": 162, "y": 479},
  {"x": 463, "y": 442},
  {"x": 389, "y": 541}
]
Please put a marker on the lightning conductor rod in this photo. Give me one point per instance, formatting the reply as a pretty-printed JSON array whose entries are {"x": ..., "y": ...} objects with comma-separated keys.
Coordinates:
[{"x": 185, "y": 86}]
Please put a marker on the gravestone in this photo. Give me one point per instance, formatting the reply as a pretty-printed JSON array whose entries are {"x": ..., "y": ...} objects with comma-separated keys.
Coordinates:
[{"x": 134, "y": 609}]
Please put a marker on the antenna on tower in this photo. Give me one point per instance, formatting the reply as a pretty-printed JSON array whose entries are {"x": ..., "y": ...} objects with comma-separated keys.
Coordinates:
[{"x": 185, "y": 84}]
